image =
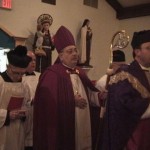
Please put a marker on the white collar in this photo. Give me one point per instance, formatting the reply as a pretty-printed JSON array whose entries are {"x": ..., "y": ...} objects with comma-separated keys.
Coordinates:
[{"x": 144, "y": 68}]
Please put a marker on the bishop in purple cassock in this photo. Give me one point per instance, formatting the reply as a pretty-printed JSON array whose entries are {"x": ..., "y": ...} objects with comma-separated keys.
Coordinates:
[{"x": 127, "y": 119}]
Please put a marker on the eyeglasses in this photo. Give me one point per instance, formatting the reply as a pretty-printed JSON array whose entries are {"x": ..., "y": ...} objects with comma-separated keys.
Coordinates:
[{"x": 70, "y": 51}]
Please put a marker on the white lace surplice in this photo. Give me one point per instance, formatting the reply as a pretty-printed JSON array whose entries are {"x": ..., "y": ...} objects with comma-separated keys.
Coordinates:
[
  {"x": 82, "y": 118},
  {"x": 11, "y": 136}
]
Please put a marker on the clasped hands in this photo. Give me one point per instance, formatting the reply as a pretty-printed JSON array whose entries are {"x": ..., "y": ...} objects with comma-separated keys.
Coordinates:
[
  {"x": 80, "y": 101},
  {"x": 17, "y": 114}
]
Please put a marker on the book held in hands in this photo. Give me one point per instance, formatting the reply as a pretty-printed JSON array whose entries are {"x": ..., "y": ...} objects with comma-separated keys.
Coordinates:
[{"x": 15, "y": 103}]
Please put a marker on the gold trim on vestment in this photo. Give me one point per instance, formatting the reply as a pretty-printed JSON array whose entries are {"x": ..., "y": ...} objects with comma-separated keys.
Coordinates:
[{"x": 133, "y": 80}]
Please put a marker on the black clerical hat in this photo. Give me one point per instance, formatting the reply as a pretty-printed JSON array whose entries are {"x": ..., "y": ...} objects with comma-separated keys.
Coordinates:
[
  {"x": 118, "y": 56},
  {"x": 18, "y": 57},
  {"x": 140, "y": 38}
]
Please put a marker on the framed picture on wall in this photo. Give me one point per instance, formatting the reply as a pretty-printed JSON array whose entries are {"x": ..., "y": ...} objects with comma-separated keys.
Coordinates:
[{"x": 53, "y": 2}]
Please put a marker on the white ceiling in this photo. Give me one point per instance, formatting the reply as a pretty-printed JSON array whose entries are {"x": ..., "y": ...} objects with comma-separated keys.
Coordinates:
[{"x": 127, "y": 3}]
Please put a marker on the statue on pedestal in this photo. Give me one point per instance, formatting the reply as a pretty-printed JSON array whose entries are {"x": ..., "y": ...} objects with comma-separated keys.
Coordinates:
[
  {"x": 43, "y": 42},
  {"x": 85, "y": 44}
]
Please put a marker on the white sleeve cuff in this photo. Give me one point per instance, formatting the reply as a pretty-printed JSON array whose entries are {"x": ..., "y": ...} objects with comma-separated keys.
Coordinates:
[
  {"x": 93, "y": 97},
  {"x": 146, "y": 113},
  {"x": 3, "y": 114}
]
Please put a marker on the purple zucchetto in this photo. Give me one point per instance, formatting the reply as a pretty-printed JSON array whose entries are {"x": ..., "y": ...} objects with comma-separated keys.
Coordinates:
[
  {"x": 18, "y": 57},
  {"x": 140, "y": 38},
  {"x": 63, "y": 38}
]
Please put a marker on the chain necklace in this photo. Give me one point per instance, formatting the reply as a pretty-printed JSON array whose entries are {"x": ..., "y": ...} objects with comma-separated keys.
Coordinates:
[{"x": 75, "y": 83}]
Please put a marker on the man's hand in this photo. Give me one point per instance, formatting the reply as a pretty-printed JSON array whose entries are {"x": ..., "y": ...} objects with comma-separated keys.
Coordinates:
[
  {"x": 17, "y": 114},
  {"x": 103, "y": 94},
  {"x": 102, "y": 97},
  {"x": 80, "y": 102}
]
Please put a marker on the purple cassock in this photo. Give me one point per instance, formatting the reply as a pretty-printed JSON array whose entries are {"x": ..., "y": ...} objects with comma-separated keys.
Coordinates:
[
  {"x": 128, "y": 99},
  {"x": 54, "y": 109}
]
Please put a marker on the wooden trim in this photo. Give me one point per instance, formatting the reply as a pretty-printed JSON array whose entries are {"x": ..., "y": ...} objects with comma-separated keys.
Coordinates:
[
  {"x": 129, "y": 12},
  {"x": 19, "y": 38},
  {"x": 10, "y": 34},
  {"x": 6, "y": 31},
  {"x": 134, "y": 11},
  {"x": 115, "y": 4}
]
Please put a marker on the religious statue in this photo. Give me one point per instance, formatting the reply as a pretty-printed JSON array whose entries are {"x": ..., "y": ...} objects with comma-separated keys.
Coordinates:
[
  {"x": 85, "y": 44},
  {"x": 43, "y": 42}
]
